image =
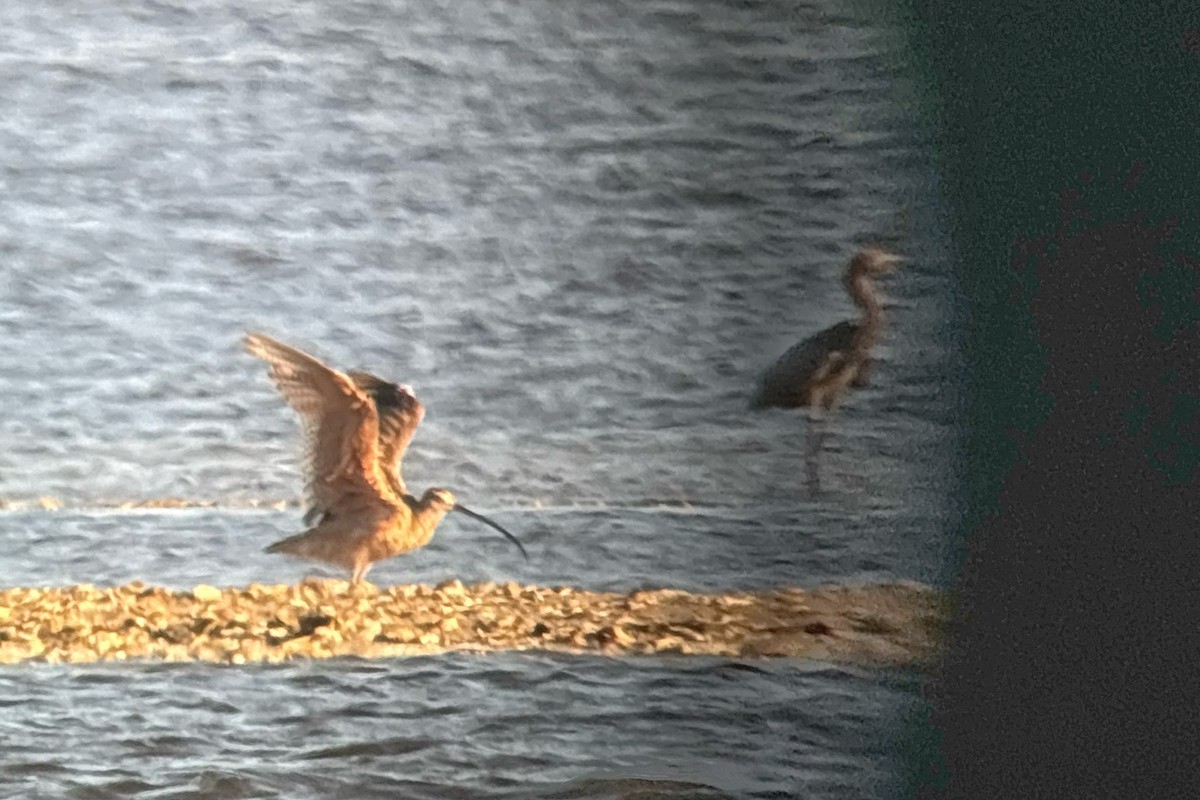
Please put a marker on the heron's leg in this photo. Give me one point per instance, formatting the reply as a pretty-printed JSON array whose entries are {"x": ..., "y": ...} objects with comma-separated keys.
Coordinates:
[
  {"x": 812, "y": 458},
  {"x": 862, "y": 377}
]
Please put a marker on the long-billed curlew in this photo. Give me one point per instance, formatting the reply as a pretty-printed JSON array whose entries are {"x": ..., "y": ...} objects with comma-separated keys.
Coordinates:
[{"x": 357, "y": 428}]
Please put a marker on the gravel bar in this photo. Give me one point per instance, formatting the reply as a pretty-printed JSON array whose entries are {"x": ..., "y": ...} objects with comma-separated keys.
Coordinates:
[{"x": 886, "y": 624}]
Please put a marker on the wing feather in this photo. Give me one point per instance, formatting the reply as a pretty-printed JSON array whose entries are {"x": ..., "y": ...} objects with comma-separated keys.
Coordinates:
[
  {"x": 399, "y": 414},
  {"x": 340, "y": 424}
]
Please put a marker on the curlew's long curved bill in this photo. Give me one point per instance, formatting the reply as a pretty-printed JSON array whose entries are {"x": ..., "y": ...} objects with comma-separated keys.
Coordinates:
[{"x": 463, "y": 509}]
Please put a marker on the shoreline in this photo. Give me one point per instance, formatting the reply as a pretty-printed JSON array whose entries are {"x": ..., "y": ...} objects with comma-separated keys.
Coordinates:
[{"x": 895, "y": 624}]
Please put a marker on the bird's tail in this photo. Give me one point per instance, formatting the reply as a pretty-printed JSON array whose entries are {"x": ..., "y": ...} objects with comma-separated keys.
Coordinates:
[
  {"x": 326, "y": 542},
  {"x": 758, "y": 399},
  {"x": 291, "y": 545}
]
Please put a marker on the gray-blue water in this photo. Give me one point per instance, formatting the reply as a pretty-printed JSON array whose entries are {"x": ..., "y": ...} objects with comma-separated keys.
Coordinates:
[{"x": 579, "y": 231}]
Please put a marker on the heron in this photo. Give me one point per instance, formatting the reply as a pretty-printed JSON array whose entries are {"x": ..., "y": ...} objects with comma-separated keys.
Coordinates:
[
  {"x": 357, "y": 427},
  {"x": 816, "y": 372}
]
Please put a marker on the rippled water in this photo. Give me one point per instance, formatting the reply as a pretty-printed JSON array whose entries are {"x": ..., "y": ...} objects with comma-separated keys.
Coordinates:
[
  {"x": 579, "y": 230},
  {"x": 503, "y": 725}
]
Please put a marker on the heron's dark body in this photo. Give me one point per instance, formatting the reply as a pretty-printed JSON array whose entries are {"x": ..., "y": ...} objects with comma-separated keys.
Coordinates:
[
  {"x": 790, "y": 382},
  {"x": 817, "y": 372}
]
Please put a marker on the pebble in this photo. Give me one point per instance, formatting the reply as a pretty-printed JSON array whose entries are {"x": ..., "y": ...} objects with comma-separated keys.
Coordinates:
[{"x": 206, "y": 594}]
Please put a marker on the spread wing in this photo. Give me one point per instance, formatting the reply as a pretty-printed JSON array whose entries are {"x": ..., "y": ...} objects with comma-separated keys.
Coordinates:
[
  {"x": 809, "y": 360},
  {"x": 339, "y": 422},
  {"x": 399, "y": 412}
]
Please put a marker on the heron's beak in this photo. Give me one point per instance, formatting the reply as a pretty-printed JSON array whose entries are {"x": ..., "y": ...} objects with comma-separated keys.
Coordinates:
[{"x": 463, "y": 509}]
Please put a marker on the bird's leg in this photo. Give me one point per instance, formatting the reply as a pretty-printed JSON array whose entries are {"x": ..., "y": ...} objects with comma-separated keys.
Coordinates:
[
  {"x": 862, "y": 377},
  {"x": 812, "y": 457}
]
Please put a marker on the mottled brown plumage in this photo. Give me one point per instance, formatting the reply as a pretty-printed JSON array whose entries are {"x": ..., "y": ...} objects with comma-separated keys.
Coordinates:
[
  {"x": 816, "y": 372},
  {"x": 357, "y": 427},
  {"x": 398, "y": 414}
]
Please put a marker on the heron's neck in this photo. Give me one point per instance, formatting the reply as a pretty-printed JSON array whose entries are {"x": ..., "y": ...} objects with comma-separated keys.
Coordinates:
[{"x": 862, "y": 292}]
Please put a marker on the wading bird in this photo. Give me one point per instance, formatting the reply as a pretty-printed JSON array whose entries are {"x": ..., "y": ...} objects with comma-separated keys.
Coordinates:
[
  {"x": 399, "y": 412},
  {"x": 816, "y": 372},
  {"x": 357, "y": 427}
]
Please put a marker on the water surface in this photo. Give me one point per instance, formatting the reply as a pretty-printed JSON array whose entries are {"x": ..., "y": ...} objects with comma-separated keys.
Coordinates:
[{"x": 579, "y": 231}]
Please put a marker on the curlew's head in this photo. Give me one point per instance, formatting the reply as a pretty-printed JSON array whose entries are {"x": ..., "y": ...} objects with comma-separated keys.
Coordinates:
[
  {"x": 872, "y": 261},
  {"x": 443, "y": 500}
]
